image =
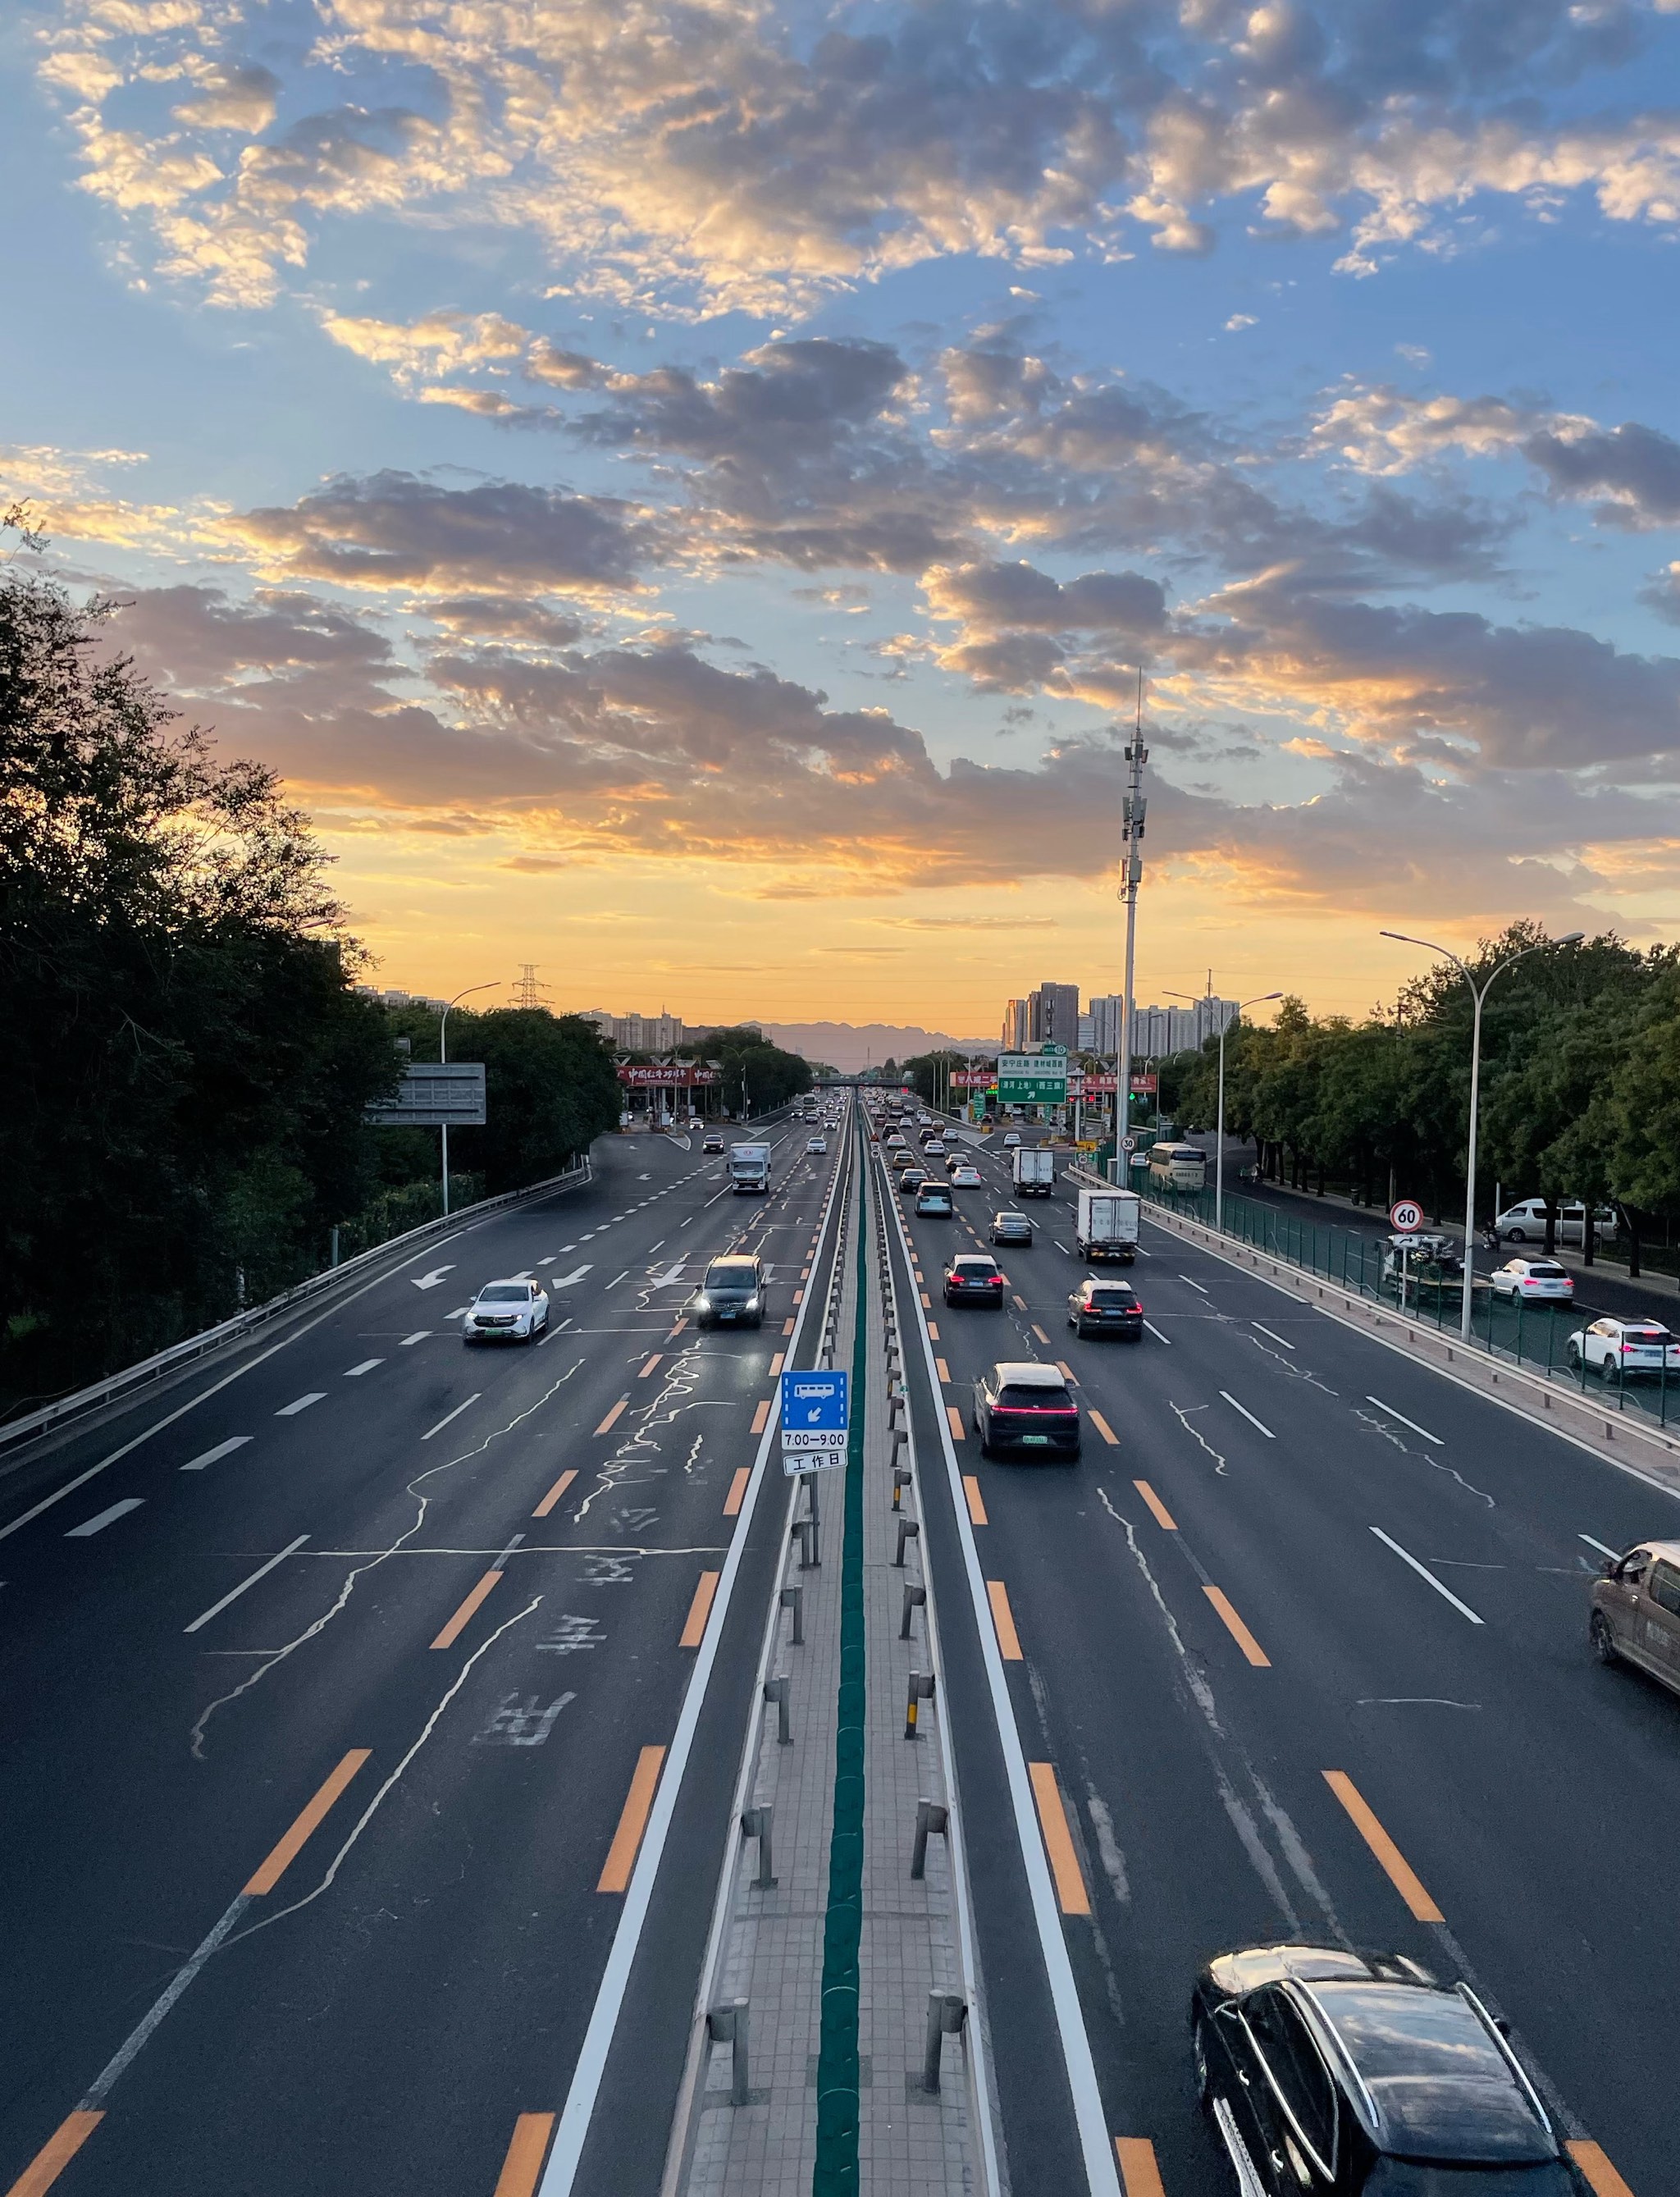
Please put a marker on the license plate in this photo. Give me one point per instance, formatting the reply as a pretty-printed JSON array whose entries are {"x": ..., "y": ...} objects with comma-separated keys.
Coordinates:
[{"x": 1036, "y": 1441}]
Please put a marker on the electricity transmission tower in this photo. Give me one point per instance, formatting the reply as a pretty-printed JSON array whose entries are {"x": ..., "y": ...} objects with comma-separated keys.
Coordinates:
[{"x": 527, "y": 993}]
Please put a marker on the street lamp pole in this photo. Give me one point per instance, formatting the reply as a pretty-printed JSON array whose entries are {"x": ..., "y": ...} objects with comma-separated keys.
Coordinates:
[
  {"x": 1131, "y": 839},
  {"x": 443, "y": 1057},
  {"x": 1259, "y": 1001},
  {"x": 1478, "y": 994}
]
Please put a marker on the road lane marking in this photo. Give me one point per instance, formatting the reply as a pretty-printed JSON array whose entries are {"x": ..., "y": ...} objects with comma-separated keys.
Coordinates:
[
  {"x": 1162, "y": 1517},
  {"x": 1247, "y": 1415},
  {"x": 1071, "y": 1895},
  {"x": 1103, "y": 1428},
  {"x": 1424, "y": 1573},
  {"x": 1273, "y": 1332},
  {"x": 261, "y": 1572},
  {"x": 568, "y": 1281},
  {"x": 1599, "y": 1546},
  {"x": 933, "y": 1332},
  {"x": 954, "y": 1419},
  {"x": 1067, "y": 1372},
  {"x": 927, "y": 1302},
  {"x": 694, "y": 1626},
  {"x": 299, "y": 1404},
  {"x": 737, "y": 1488},
  {"x": 1404, "y": 1420},
  {"x": 526, "y": 2151},
  {"x": 305, "y": 1824},
  {"x": 420, "y": 1334},
  {"x": 611, "y": 1419},
  {"x": 650, "y": 1366},
  {"x": 1020, "y": 1306},
  {"x": 787, "y": 1327},
  {"x": 1003, "y": 1618},
  {"x": 1195, "y": 1285},
  {"x": 1601, "y": 2177},
  {"x": 615, "y": 1280},
  {"x": 941, "y": 1369},
  {"x": 1251, "y": 1650},
  {"x": 355, "y": 1372},
  {"x": 676, "y": 1331},
  {"x": 760, "y": 1417},
  {"x": 555, "y": 1492},
  {"x": 1157, "y": 1334},
  {"x": 463, "y": 1617},
  {"x": 102, "y": 1519},
  {"x": 55, "y": 2153},
  {"x": 1040, "y": 1334},
  {"x": 1138, "y": 2169},
  {"x": 1393, "y": 1864},
  {"x": 621, "y": 1855},
  {"x": 976, "y": 1502},
  {"x": 776, "y": 1365},
  {"x": 455, "y": 1414}
]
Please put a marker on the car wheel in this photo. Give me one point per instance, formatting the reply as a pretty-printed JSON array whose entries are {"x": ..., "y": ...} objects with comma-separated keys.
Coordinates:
[
  {"x": 1204, "y": 2073},
  {"x": 1516, "y": 1235},
  {"x": 1603, "y": 1646},
  {"x": 1605, "y": 1368}
]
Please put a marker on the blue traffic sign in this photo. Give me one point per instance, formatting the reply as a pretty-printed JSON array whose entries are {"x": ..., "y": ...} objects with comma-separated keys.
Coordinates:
[{"x": 815, "y": 1402}]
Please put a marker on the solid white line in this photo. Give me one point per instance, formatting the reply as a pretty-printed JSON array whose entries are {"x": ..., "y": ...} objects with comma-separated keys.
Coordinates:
[
  {"x": 448, "y": 1416},
  {"x": 1195, "y": 1285},
  {"x": 1424, "y": 1573},
  {"x": 1599, "y": 1546},
  {"x": 299, "y": 1404},
  {"x": 1157, "y": 1334},
  {"x": 1404, "y": 1420},
  {"x": 366, "y": 1366},
  {"x": 1273, "y": 1332},
  {"x": 262, "y": 1571},
  {"x": 97, "y": 1524},
  {"x": 215, "y": 1456},
  {"x": 114, "y": 2068},
  {"x": 420, "y": 1334},
  {"x": 615, "y": 1280},
  {"x": 1247, "y": 1415}
]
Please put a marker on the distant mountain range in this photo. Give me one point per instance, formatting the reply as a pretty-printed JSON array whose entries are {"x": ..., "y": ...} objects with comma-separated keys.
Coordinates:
[{"x": 851, "y": 1045}]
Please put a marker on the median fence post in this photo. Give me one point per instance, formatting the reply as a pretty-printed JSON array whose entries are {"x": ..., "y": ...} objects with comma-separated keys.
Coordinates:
[
  {"x": 921, "y": 1690},
  {"x": 908, "y": 1530},
  {"x": 914, "y": 1598},
  {"x": 757, "y": 1824},
  {"x": 931, "y": 1817},
  {"x": 793, "y": 1598},
  {"x": 948, "y": 2011},
  {"x": 728, "y": 2025},
  {"x": 776, "y": 1690}
]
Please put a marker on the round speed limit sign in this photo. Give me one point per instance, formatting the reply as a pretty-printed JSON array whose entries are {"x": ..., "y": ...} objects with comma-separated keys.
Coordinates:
[{"x": 1407, "y": 1215}]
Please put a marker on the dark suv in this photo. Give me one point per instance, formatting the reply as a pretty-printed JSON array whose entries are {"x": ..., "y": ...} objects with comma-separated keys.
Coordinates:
[
  {"x": 1328, "y": 2072},
  {"x": 1024, "y": 1405},
  {"x": 1106, "y": 1308},
  {"x": 733, "y": 1291},
  {"x": 974, "y": 1277}
]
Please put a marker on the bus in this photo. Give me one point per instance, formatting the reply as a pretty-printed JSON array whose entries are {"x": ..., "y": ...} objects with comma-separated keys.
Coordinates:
[{"x": 1178, "y": 1166}]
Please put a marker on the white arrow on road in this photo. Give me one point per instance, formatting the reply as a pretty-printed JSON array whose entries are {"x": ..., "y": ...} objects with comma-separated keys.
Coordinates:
[
  {"x": 669, "y": 1279},
  {"x": 566, "y": 1281},
  {"x": 431, "y": 1281}
]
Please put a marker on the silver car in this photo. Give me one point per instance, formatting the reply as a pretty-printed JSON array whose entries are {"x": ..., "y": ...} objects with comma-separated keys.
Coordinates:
[{"x": 1635, "y": 1611}]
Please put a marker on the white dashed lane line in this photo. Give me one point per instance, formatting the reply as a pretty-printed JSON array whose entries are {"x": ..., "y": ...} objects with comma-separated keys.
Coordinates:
[
  {"x": 420, "y": 1334},
  {"x": 97, "y": 1524},
  {"x": 215, "y": 1456},
  {"x": 1247, "y": 1415},
  {"x": 299, "y": 1404},
  {"x": 448, "y": 1416},
  {"x": 1424, "y": 1573},
  {"x": 355, "y": 1372},
  {"x": 1437, "y": 1438}
]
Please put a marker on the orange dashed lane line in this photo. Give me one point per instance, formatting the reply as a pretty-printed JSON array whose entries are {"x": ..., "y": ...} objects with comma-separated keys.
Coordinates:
[
  {"x": 932, "y": 1331},
  {"x": 976, "y": 1501},
  {"x": 760, "y": 1417},
  {"x": 611, "y": 1419},
  {"x": 526, "y": 2155},
  {"x": 308, "y": 1821},
  {"x": 1058, "y": 1841},
  {"x": 694, "y": 1626},
  {"x": 671, "y": 1337},
  {"x": 1139, "y": 2168},
  {"x": 621, "y": 1855},
  {"x": 776, "y": 1365},
  {"x": 1602, "y": 2178},
  {"x": 927, "y": 1302},
  {"x": 1392, "y": 1862},
  {"x": 463, "y": 1617},
  {"x": 1251, "y": 1650},
  {"x": 941, "y": 1369},
  {"x": 55, "y": 2153},
  {"x": 1103, "y": 1428},
  {"x": 1163, "y": 1517},
  {"x": 1003, "y": 1617},
  {"x": 650, "y": 1366},
  {"x": 787, "y": 1327},
  {"x": 738, "y": 1489},
  {"x": 954, "y": 1419},
  {"x": 555, "y": 1493}
]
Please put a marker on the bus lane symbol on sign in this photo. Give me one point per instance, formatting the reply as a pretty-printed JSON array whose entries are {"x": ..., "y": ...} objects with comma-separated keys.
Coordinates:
[{"x": 815, "y": 1403}]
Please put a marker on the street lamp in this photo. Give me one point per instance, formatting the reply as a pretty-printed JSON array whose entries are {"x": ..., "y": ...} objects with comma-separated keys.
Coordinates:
[
  {"x": 443, "y": 1056},
  {"x": 1259, "y": 1001},
  {"x": 1478, "y": 993}
]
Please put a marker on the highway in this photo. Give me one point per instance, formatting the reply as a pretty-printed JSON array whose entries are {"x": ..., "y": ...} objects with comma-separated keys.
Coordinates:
[
  {"x": 1302, "y": 1644},
  {"x": 342, "y": 1678}
]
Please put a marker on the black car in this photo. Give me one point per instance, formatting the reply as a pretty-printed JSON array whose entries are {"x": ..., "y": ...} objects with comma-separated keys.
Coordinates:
[
  {"x": 1011, "y": 1228},
  {"x": 911, "y": 1181},
  {"x": 1023, "y": 1405},
  {"x": 1106, "y": 1308},
  {"x": 974, "y": 1277},
  {"x": 733, "y": 1293},
  {"x": 1333, "y": 2072}
]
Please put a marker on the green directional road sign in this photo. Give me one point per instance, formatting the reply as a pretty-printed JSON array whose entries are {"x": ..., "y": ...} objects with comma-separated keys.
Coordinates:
[{"x": 1033, "y": 1079}]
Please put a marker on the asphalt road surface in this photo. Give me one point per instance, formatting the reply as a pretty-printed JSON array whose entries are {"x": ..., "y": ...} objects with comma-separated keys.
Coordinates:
[
  {"x": 1298, "y": 1584},
  {"x": 345, "y": 1676}
]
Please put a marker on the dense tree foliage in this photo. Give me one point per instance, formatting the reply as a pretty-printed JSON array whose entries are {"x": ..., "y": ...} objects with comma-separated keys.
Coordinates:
[{"x": 1580, "y": 1090}]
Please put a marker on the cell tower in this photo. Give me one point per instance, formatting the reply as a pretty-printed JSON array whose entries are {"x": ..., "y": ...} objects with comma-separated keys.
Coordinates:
[{"x": 527, "y": 993}]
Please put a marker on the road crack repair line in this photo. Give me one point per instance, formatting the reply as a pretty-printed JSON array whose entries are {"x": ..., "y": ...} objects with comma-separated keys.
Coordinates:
[
  {"x": 423, "y": 1501},
  {"x": 1183, "y": 1412},
  {"x": 676, "y": 1395},
  {"x": 1295, "y": 1372},
  {"x": 1382, "y": 1427}
]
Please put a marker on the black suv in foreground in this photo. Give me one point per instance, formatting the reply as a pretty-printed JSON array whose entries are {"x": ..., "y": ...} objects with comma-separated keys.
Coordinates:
[
  {"x": 1023, "y": 1405},
  {"x": 735, "y": 1292},
  {"x": 1330, "y": 2072}
]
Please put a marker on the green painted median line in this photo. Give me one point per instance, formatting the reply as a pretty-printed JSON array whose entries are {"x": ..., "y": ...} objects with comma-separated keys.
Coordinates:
[{"x": 837, "y": 2109}]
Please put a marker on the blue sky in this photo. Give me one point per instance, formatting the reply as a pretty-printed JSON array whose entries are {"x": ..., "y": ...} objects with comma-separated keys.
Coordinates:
[{"x": 681, "y": 493}]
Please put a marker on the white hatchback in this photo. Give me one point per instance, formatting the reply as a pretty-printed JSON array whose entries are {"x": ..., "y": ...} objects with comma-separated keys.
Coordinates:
[
  {"x": 507, "y": 1311},
  {"x": 964, "y": 1178},
  {"x": 1541, "y": 1281}
]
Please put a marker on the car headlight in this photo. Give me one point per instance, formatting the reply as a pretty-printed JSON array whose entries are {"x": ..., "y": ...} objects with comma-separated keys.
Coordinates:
[
  {"x": 752, "y": 1303},
  {"x": 702, "y": 1303}
]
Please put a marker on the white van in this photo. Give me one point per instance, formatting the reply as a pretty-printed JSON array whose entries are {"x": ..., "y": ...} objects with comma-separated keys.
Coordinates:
[{"x": 1527, "y": 1223}]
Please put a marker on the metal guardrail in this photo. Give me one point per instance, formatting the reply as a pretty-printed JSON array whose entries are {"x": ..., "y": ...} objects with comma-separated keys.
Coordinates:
[{"x": 191, "y": 1347}]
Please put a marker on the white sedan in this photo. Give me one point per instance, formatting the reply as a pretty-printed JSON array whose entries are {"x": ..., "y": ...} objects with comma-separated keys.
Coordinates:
[
  {"x": 507, "y": 1311},
  {"x": 816, "y": 1144},
  {"x": 1623, "y": 1347},
  {"x": 1011, "y": 1140},
  {"x": 1533, "y": 1281},
  {"x": 964, "y": 1177}
]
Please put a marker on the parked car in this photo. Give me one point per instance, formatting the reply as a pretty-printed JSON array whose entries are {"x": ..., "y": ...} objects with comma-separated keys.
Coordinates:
[
  {"x": 1106, "y": 1308},
  {"x": 1021, "y": 1404},
  {"x": 1012, "y": 1228},
  {"x": 1527, "y": 1223},
  {"x": 1533, "y": 1281},
  {"x": 1330, "y": 2071},
  {"x": 1621, "y": 1347},
  {"x": 1635, "y": 1611},
  {"x": 933, "y": 1198},
  {"x": 734, "y": 1292},
  {"x": 974, "y": 1277},
  {"x": 507, "y": 1311}
]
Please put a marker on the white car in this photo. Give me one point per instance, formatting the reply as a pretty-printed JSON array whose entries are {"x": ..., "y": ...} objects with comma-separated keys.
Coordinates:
[
  {"x": 1623, "y": 1347},
  {"x": 934, "y": 1148},
  {"x": 1533, "y": 1281},
  {"x": 1527, "y": 1223},
  {"x": 816, "y": 1144},
  {"x": 1011, "y": 1140},
  {"x": 507, "y": 1311},
  {"x": 964, "y": 1177}
]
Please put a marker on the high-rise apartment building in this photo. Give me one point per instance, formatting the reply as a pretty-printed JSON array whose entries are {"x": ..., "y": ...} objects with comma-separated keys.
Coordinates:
[
  {"x": 1105, "y": 1013},
  {"x": 660, "y": 1033},
  {"x": 1018, "y": 1025},
  {"x": 1054, "y": 1015},
  {"x": 1157, "y": 1031}
]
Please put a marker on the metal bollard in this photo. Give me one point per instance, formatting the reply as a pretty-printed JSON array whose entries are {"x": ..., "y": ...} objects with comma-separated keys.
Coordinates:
[
  {"x": 908, "y": 1530},
  {"x": 921, "y": 1690},
  {"x": 776, "y": 1690},
  {"x": 805, "y": 1533},
  {"x": 793, "y": 1598},
  {"x": 901, "y": 1482},
  {"x": 758, "y": 1823},
  {"x": 814, "y": 1511},
  {"x": 728, "y": 2025},
  {"x": 914, "y": 1598},
  {"x": 947, "y": 2013},
  {"x": 931, "y": 1816}
]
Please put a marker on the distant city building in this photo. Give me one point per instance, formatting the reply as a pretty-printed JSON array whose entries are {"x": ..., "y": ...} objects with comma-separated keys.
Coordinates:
[
  {"x": 395, "y": 999},
  {"x": 1017, "y": 1026},
  {"x": 1054, "y": 1016},
  {"x": 1088, "y": 1032},
  {"x": 1104, "y": 1019},
  {"x": 1157, "y": 1031},
  {"x": 660, "y": 1033}
]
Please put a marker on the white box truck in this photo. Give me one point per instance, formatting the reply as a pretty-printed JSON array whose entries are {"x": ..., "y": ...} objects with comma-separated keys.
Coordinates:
[
  {"x": 1107, "y": 1225},
  {"x": 750, "y": 1167},
  {"x": 1032, "y": 1169}
]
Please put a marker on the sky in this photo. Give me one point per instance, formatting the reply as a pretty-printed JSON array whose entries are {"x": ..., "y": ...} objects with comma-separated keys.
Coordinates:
[{"x": 684, "y": 493}]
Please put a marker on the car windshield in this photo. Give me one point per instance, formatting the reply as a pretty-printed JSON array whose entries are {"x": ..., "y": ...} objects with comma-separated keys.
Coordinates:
[
  {"x": 730, "y": 1274},
  {"x": 504, "y": 1293},
  {"x": 1018, "y": 1396},
  {"x": 1113, "y": 1296}
]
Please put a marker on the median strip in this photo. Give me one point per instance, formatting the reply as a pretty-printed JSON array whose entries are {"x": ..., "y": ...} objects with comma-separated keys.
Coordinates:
[
  {"x": 1393, "y": 1863},
  {"x": 1251, "y": 1650}
]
